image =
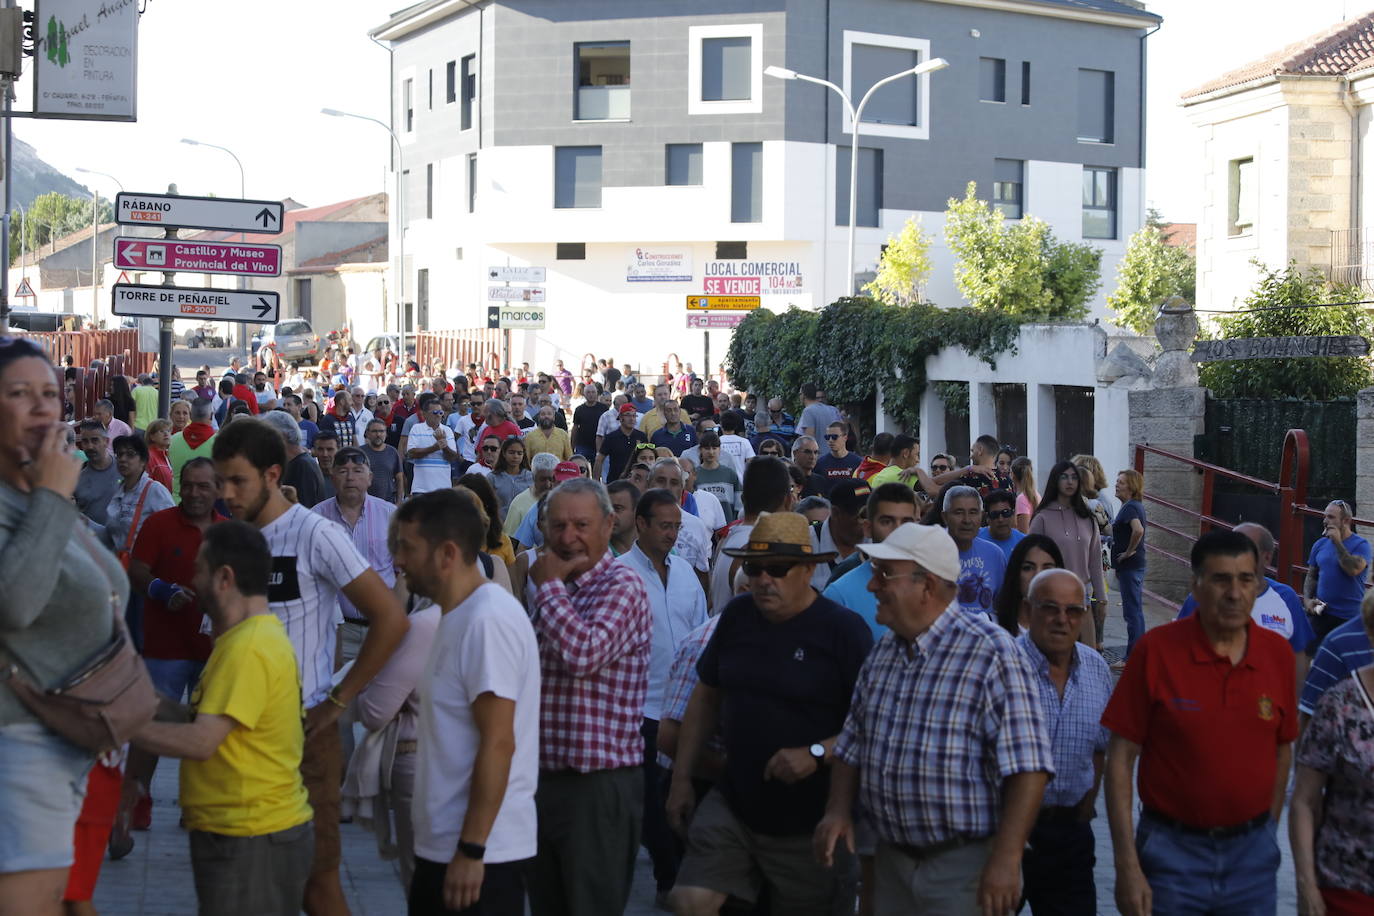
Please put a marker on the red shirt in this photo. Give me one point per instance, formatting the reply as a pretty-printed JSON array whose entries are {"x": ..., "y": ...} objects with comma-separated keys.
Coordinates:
[
  {"x": 167, "y": 542},
  {"x": 159, "y": 467},
  {"x": 504, "y": 430},
  {"x": 1209, "y": 731},
  {"x": 245, "y": 394}
]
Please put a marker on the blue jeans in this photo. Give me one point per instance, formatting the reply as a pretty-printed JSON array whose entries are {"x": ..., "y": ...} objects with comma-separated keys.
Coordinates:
[
  {"x": 174, "y": 677},
  {"x": 1191, "y": 874},
  {"x": 1132, "y": 585}
]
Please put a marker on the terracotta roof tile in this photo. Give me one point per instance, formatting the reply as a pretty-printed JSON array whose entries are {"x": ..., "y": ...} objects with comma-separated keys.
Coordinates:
[{"x": 1335, "y": 50}]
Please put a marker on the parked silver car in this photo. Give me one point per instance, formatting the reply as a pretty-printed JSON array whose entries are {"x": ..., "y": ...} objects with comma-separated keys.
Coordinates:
[{"x": 293, "y": 338}]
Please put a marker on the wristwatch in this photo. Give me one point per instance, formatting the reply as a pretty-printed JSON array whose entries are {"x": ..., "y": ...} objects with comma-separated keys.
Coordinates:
[
  {"x": 818, "y": 751},
  {"x": 472, "y": 850}
]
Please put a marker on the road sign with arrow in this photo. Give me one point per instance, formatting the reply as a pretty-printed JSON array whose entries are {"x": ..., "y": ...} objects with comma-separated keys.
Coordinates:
[
  {"x": 173, "y": 255},
  {"x": 169, "y": 211},
  {"x": 206, "y": 304}
]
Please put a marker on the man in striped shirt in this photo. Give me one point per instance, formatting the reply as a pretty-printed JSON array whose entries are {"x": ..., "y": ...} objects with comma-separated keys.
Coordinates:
[
  {"x": 313, "y": 561},
  {"x": 431, "y": 446},
  {"x": 595, "y": 628}
]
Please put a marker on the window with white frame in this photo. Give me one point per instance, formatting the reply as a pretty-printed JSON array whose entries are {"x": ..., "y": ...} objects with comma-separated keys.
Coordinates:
[
  {"x": 725, "y": 69},
  {"x": 1099, "y": 203},
  {"x": 408, "y": 105},
  {"x": 899, "y": 109},
  {"x": 1242, "y": 197}
]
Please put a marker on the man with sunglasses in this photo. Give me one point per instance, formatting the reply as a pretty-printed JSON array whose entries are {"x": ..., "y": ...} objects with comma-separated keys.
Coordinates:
[
  {"x": 432, "y": 447},
  {"x": 840, "y": 463},
  {"x": 1000, "y": 510},
  {"x": 777, "y": 676}
]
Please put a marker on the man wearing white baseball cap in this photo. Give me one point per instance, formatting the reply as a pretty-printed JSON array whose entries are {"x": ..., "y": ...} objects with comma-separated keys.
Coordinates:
[{"x": 944, "y": 744}]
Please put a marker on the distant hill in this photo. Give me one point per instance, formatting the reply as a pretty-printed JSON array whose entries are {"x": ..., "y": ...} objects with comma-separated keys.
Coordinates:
[{"x": 33, "y": 177}]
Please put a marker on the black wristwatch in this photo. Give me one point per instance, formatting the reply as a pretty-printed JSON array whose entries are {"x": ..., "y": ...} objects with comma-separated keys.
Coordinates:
[
  {"x": 473, "y": 851},
  {"x": 818, "y": 751}
]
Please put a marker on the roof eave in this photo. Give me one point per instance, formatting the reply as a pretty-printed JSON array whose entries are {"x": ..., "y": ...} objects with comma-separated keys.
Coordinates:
[
  {"x": 418, "y": 17},
  {"x": 1261, "y": 81},
  {"x": 1142, "y": 20}
]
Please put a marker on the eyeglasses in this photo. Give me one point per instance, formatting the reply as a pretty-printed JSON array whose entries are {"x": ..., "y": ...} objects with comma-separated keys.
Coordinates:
[
  {"x": 491, "y": 448},
  {"x": 1054, "y": 610},
  {"x": 774, "y": 570},
  {"x": 1001, "y": 513},
  {"x": 805, "y": 451},
  {"x": 831, "y": 437},
  {"x": 887, "y": 575}
]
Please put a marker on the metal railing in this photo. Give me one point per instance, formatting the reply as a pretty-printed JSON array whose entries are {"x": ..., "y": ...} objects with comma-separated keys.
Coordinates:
[{"x": 1352, "y": 258}]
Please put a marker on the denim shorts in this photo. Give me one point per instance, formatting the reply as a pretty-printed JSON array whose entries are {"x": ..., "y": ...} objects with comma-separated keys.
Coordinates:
[{"x": 42, "y": 784}]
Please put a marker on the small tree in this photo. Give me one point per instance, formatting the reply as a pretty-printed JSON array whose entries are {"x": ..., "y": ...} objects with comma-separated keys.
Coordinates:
[
  {"x": 1151, "y": 272},
  {"x": 904, "y": 267},
  {"x": 1301, "y": 305}
]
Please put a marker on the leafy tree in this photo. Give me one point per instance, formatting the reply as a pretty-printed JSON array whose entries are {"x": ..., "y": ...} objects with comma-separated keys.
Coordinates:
[
  {"x": 1019, "y": 269},
  {"x": 904, "y": 267},
  {"x": 1151, "y": 272},
  {"x": 52, "y": 216},
  {"x": 1301, "y": 304}
]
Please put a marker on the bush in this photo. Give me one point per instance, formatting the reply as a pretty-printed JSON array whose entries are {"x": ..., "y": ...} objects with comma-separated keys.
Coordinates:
[{"x": 1151, "y": 272}]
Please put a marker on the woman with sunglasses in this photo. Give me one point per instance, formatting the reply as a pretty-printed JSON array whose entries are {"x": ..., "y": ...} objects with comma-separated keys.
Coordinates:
[
  {"x": 512, "y": 475},
  {"x": 1065, "y": 518},
  {"x": 771, "y": 448}
]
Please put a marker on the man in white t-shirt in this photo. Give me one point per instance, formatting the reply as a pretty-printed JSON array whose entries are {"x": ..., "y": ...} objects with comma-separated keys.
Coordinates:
[
  {"x": 709, "y": 507},
  {"x": 313, "y": 561},
  {"x": 431, "y": 446},
  {"x": 694, "y": 538},
  {"x": 478, "y": 748},
  {"x": 767, "y": 488}
]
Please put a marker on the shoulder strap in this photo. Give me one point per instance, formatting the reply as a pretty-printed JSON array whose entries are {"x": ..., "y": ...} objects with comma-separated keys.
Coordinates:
[{"x": 138, "y": 511}]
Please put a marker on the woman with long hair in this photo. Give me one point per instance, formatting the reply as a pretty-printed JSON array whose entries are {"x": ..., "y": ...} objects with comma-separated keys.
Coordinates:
[
  {"x": 1005, "y": 458},
  {"x": 1027, "y": 496},
  {"x": 1066, "y": 519},
  {"x": 1033, "y": 554},
  {"x": 497, "y": 544},
  {"x": 1096, "y": 487},
  {"x": 512, "y": 475},
  {"x": 1128, "y": 552},
  {"x": 122, "y": 397}
]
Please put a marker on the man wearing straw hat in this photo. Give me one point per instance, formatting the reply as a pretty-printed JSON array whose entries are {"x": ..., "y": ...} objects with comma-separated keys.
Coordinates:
[{"x": 777, "y": 676}]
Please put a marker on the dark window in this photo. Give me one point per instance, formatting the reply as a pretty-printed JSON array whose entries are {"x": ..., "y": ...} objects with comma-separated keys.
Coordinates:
[
  {"x": 682, "y": 163},
  {"x": 727, "y": 69},
  {"x": 899, "y": 101},
  {"x": 746, "y": 182},
  {"x": 408, "y": 104},
  {"x": 571, "y": 251},
  {"x": 1025, "y": 82},
  {"x": 603, "y": 80},
  {"x": 429, "y": 191},
  {"x": 732, "y": 251},
  {"x": 577, "y": 176},
  {"x": 870, "y": 195},
  {"x": 992, "y": 79},
  {"x": 431, "y": 89},
  {"x": 303, "y": 303},
  {"x": 1096, "y": 105},
  {"x": 451, "y": 82},
  {"x": 469, "y": 87},
  {"x": 472, "y": 182},
  {"x": 1099, "y": 203},
  {"x": 1008, "y": 183}
]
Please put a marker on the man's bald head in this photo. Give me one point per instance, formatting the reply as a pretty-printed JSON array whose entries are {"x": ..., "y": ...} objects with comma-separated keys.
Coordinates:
[
  {"x": 1045, "y": 580},
  {"x": 1262, "y": 538}
]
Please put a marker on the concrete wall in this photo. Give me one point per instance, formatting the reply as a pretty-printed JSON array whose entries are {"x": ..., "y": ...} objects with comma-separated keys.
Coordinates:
[
  {"x": 1169, "y": 419},
  {"x": 314, "y": 239}
]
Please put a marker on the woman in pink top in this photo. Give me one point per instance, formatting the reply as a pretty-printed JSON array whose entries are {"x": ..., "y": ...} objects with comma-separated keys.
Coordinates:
[
  {"x": 1065, "y": 518},
  {"x": 1027, "y": 497}
]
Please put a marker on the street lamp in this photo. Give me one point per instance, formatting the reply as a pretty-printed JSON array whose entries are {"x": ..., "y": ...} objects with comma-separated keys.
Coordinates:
[
  {"x": 400, "y": 226},
  {"x": 855, "y": 113},
  {"x": 95, "y": 235},
  {"x": 242, "y": 282}
]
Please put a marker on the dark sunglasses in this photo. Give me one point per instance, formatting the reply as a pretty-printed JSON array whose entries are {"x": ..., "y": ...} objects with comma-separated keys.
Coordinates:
[
  {"x": 939, "y": 468},
  {"x": 646, "y": 447},
  {"x": 350, "y": 458},
  {"x": 491, "y": 448},
  {"x": 774, "y": 570},
  {"x": 830, "y": 437},
  {"x": 1001, "y": 513}
]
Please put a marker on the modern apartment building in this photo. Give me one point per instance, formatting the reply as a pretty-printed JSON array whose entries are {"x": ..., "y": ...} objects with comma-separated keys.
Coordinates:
[{"x": 639, "y": 152}]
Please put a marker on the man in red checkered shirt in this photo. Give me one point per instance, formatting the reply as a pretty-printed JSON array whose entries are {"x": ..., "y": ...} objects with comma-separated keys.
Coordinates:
[{"x": 594, "y": 626}]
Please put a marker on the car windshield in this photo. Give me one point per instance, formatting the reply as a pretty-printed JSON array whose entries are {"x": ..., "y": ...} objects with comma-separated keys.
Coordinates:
[{"x": 293, "y": 327}]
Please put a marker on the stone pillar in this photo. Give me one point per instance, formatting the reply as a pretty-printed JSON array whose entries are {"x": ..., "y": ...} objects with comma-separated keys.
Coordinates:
[
  {"x": 1364, "y": 453},
  {"x": 932, "y": 432},
  {"x": 982, "y": 413},
  {"x": 1168, "y": 417}
]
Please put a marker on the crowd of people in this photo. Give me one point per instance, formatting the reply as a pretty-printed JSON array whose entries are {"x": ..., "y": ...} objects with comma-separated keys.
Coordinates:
[{"x": 520, "y": 625}]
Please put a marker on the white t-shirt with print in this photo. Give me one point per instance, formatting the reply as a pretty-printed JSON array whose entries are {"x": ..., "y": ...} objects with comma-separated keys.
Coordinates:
[{"x": 433, "y": 471}]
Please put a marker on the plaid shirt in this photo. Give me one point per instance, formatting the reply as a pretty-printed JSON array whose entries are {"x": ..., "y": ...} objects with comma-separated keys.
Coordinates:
[
  {"x": 369, "y": 536},
  {"x": 682, "y": 680},
  {"x": 594, "y": 640},
  {"x": 937, "y": 724},
  {"x": 1073, "y": 722}
]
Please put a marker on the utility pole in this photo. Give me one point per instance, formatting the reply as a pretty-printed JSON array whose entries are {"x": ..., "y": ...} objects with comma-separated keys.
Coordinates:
[{"x": 11, "y": 58}]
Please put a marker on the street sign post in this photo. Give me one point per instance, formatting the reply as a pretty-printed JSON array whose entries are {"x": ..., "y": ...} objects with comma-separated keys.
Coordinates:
[
  {"x": 207, "y": 304},
  {"x": 522, "y": 317},
  {"x": 723, "y": 303},
  {"x": 713, "y": 322},
  {"x": 200, "y": 257},
  {"x": 168, "y": 211},
  {"x": 1205, "y": 351},
  {"x": 517, "y": 274},
  {"x": 515, "y": 294}
]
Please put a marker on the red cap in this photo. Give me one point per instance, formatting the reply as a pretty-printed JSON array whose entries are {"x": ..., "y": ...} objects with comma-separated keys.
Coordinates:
[
  {"x": 566, "y": 470},
  {"x": 628, "y": 408}
]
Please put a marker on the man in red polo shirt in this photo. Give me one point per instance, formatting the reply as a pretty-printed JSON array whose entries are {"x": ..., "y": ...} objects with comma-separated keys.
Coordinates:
[{"x": 1207, "y": 705}]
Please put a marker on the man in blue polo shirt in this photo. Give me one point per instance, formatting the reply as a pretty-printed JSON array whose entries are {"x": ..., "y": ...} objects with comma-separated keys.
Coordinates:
[
  {"x": 1277, "y": 607},
  {"x": 1337, "y": 571},
  {"x": 889, "y": 506},
  {"x": 674, "y": 434}
]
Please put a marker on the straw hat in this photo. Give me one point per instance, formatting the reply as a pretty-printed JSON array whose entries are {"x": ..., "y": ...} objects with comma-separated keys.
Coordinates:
[{"x": 781, "y": 535}]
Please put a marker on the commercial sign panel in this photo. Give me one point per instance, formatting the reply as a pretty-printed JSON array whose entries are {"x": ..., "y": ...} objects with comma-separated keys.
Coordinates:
[
  {"x": 510, "y": 317},
  {"x": 200, "y": 257},
  {"x": 753, "y": 278},
  {"x": 515, "y": 294},
  {"x": 653, "y": 265},
  {"x": 711, "y": 322},
  {"x": 255, "y": 306},
  {"x": 85, "y": 59},
  {"x": 517, "y": 274},
  {"x": 722, "y": 303},
  {"x": 173, "y": 211}
]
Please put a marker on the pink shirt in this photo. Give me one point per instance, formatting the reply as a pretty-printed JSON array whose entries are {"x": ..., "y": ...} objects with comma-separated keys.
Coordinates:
[{"x": 392, "y": 691}]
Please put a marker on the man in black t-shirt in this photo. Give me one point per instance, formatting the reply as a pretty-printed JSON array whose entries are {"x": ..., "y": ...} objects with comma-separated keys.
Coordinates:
[
  {"x": 777, "y": 677},
  {"x": 618, "y": 445},
  {"x": 697, "y": 405},
  {"x": 585, "y": 419}
]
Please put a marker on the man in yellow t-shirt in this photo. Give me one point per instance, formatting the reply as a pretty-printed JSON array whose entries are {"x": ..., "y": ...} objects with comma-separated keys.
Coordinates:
[
  {"x": 245, "y": 805},
  {"x": 145, "y": 402},
  {"x": 905, "y": 467}
]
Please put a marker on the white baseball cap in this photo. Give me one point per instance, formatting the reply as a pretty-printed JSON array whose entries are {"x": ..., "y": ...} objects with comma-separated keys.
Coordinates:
[{"x": 929, "y": 546}]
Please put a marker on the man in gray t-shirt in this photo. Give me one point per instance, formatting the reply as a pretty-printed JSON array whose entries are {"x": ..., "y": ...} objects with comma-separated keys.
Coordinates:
[
  {"x": 816, "y": 416},
  {"x": 99, "y": 479}
]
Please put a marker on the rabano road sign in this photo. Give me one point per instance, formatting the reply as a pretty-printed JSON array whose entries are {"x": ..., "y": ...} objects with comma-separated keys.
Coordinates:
[
  {"x": 517, "y": 274},
  {"x": 201, "y": 257},
  {"x": 723, "y": 303},
  {"x": 254, "y": 306},
  {"x": 167, "y": 211}
]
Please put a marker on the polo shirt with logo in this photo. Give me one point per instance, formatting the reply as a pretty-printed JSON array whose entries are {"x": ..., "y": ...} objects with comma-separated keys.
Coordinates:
[{"x": 1209, "y": 731}]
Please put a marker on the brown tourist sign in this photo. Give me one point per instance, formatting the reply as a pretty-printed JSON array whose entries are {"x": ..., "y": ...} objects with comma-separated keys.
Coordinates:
[{"x": 1279, "y": 348}]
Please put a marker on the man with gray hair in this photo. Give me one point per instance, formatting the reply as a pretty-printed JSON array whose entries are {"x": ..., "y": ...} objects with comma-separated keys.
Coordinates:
[
  {"x": 301, "y": 471},
  {"x": 104, "y": 412},
  {"x": 982, "y": 565},
  {"x": 542, "y": 467},
  {"x": 1337, "y": 571},
  {"x": 195, "y": 441},
  {"x": 594, "y": 628}
]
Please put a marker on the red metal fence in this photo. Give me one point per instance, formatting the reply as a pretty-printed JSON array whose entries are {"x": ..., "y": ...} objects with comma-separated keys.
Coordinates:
[
  {"x": 458, "y": 348},
  {"x": 87, "y": 346}
]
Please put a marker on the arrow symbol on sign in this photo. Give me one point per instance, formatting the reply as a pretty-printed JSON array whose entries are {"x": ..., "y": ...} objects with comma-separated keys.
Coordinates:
[
  {"x": 265, "y": 216},
  {"x": 264, "y": 307},
  {"x": 133, "y": 252}
]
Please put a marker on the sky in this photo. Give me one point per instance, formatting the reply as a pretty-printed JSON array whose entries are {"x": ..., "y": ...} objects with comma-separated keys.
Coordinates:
[{"x": 252, "y": 75}]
